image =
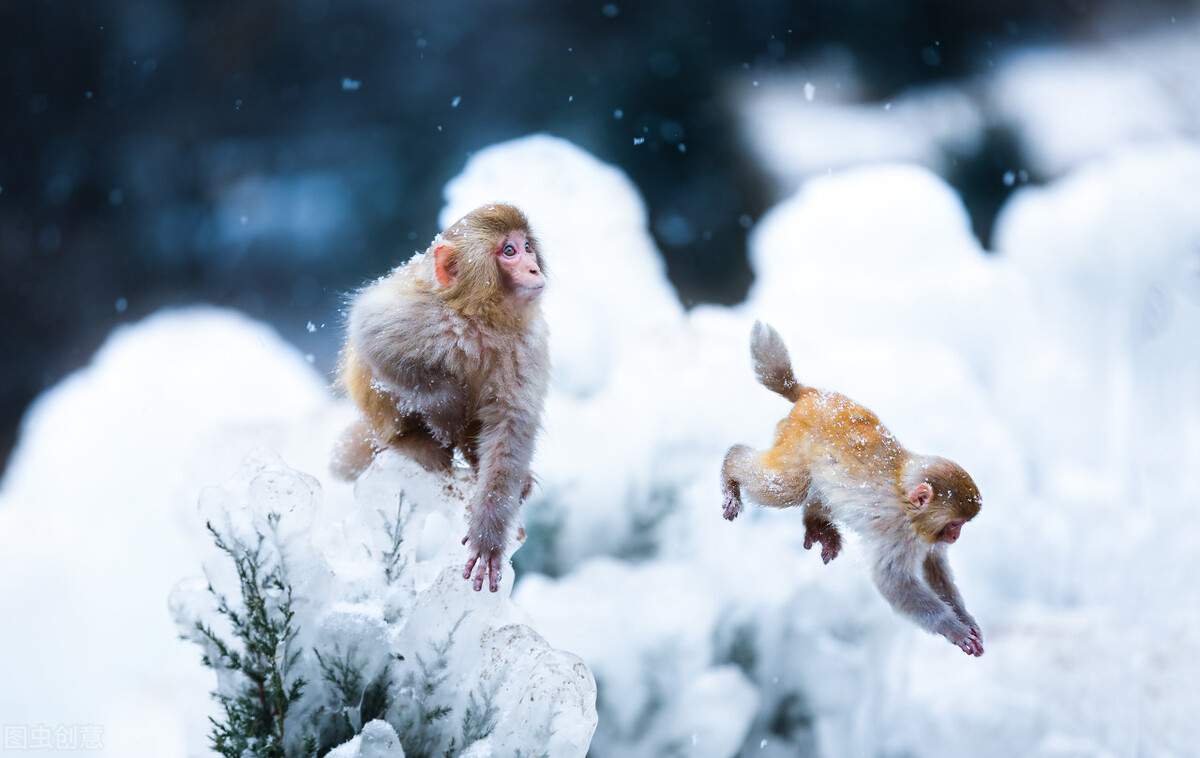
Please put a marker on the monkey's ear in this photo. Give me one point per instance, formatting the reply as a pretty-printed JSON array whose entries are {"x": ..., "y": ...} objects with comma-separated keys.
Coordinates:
[
  {"x": 920, "y": 495},
  {"x": 444, "y": 266}
]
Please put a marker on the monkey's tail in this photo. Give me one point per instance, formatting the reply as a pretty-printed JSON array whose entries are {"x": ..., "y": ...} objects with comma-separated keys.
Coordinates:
[{"x": 772, "y": 364}]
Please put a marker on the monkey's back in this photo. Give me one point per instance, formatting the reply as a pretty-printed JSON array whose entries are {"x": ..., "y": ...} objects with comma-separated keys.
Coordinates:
[{"x": 828, "y": 433}]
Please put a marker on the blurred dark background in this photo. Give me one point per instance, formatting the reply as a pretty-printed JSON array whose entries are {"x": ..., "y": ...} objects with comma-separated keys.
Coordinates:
[{"x": 269, "y": 155}]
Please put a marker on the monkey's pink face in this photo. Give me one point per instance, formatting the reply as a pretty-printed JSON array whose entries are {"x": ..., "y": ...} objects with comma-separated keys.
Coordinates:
[
  {"x": 519, "y": 264},
  {"x": 950, "y": 532}
]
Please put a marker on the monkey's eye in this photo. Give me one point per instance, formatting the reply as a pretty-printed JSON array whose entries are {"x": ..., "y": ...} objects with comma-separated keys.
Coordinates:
[
  {"x": 508, "y": 251},
  {"x": 528, "y": 248}
]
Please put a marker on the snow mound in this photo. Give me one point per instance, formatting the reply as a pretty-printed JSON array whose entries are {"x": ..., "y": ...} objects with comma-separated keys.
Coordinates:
[
  {"x": 97, "y": 517},
  {"x": 606, "y": 278},
  {"x": 1068, "y": 109},
  {"x": 799, "y": 129}
]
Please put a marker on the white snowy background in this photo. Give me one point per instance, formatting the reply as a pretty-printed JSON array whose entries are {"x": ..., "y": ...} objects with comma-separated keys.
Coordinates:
[{"x": 1061, "y": 368}]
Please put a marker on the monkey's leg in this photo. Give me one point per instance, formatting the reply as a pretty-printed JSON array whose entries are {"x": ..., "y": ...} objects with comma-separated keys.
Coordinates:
[
  {"x": 746, "y": 471},
  {"x": 468, "y": 443},
  {"x": 416, "y": 442},
  {"x": 819, "y": 527},
  {"x": 733, "y": 470},
  {"x": 354, "y": 451}
]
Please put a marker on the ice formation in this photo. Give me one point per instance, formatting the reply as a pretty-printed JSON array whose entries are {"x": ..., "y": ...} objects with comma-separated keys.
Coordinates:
[{"x": 376, "y": 589}]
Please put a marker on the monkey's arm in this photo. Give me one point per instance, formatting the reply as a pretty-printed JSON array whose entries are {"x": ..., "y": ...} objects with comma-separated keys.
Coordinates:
[
  {"x": 908, "y": 594},
  {"x": 505, "y": 452},
  {"x": 937, "y": 574}
]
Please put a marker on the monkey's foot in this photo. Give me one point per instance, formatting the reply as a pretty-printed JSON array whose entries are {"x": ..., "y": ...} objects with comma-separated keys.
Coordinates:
[
  {"x": 829, "y": 537},
  {"x": 417, "y": 445},
  {"x": 733, "y": 506}
]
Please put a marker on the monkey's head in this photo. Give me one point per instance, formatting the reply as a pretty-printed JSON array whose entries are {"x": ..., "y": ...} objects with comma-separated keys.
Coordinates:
[
  {"x": 941, "y": 498},
  {"x": 488, "y": 263}
]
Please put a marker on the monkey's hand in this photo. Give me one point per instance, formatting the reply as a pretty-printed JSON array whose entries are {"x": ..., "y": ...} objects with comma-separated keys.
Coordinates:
[
  {"x": 733, "y": 505},
  {"x": 485, "y": 563},
  {"x": 975, "y": 633},
  {"x": 967, "y": 637},
  {"x": 825, "y": 533}
]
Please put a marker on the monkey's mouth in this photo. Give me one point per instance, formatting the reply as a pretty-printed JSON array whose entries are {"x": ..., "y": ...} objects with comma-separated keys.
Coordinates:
[{"x": 950, "y": 534}]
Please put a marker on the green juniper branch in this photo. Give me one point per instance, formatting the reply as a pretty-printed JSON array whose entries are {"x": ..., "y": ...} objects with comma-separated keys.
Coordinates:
[{"x": 255, "y": 718}]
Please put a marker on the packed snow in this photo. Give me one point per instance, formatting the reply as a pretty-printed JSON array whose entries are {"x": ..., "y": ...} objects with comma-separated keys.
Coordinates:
[{"x": 1062, "y": 371}]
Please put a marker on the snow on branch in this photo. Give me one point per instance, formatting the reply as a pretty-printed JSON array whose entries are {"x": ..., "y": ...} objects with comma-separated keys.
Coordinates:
[{"x": 352, "y": 634}]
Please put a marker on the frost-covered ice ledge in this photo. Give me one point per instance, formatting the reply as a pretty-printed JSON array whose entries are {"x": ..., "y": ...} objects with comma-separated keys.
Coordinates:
[{"x": 365, "y": 607}]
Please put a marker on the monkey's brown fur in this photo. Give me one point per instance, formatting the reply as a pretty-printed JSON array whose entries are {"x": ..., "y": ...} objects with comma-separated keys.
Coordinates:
[
  {"x": 478, "y": 292},
  {"x": 837, "y": 461},
  {"x": 448, "y": 353}
]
